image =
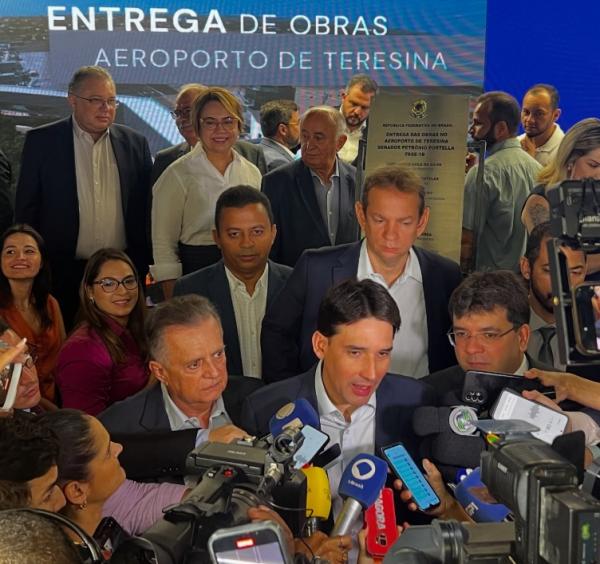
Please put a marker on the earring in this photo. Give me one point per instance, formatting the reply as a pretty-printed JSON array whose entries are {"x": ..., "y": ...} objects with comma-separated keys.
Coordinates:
[
  {"x": 83, "y": 505},
  {"x": 92, "y": 299}
]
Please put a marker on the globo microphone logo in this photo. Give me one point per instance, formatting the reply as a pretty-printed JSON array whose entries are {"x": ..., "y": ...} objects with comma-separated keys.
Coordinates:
[{"x": 363, "y": 469}]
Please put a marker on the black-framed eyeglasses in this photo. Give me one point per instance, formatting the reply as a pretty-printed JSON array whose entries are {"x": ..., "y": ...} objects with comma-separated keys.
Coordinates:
[
  {"x": 96, "y": 102},
  {"x": 485, "y": 337},
  {"x": 228, "y": 123},
  {"x": 110, "y": 285},
  {"x": 185, "y": 113}
]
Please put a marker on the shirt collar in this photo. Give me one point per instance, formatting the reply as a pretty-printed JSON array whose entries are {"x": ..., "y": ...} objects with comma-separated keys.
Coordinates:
[
  {"x": 324, "y": 403},
  {"x": 411, "y": 269},
  {"x": 238, "y": 284},
  {"x": 510, "y": 143},
  {"x": 336, "y": 172},
  {"x": 81, "y": 134},
  {"x": 198, "y": 150},
  {"x": 286, "y": 149},
  {"x": 536, "y": 322},
  {"x": 179, "y": 420},
  {"x": 523, "y": 367}
]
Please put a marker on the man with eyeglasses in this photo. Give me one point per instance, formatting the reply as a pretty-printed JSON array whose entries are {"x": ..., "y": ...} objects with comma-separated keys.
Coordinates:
[
  {"x": 84, "y": 185},
  {"x": 280, "y": 125},
  {"x": 182, "y": 114}
]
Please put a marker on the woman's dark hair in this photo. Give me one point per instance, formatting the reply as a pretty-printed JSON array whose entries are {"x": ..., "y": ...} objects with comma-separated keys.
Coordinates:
[
  {"x": 41, "y": 283},
  {"x": 96, "y": 320},
  {"x": 77, "y": 448},
  {"x": 352, "y": 301}
]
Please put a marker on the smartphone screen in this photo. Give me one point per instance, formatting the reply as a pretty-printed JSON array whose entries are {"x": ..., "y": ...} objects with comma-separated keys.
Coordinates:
[
  {"x": 269, "y": 553},
  {"x": 314, "y": 441},
  {"x": 511, "y": 405},
  {"x": 405, "y": 468}
]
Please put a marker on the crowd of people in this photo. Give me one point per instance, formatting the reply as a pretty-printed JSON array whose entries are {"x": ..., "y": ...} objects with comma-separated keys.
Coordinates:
[{"x": 270, "y": 283}]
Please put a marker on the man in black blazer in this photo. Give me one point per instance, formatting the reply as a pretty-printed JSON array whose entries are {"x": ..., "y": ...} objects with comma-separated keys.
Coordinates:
[
  {"x": 392, "y": 214},
  {"x": 360, "y": 406},
  {"x": 313, "y": 199},
  {"x": 182, "y": 115},
  {"x": 187, "y": 354},
  {"x": 244, "y": 282},
  {"x": 280, "y": 125},
  {"x": 84, "y": 185}
]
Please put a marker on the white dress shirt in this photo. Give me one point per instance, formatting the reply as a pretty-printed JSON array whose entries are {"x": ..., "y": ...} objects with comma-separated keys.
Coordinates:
[
  {"x": 249, "y": 311},
  {"x": 183, "y": 205},
  {"x": 545, "y": 153},
  {"x": 409, "y": 355},
  {"x": 101, "y": 222},
  {"x": 349, "y": 151}
]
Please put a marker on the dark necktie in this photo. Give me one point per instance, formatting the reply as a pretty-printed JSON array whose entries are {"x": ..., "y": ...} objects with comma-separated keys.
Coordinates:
[{"x": 545, "y": 355}]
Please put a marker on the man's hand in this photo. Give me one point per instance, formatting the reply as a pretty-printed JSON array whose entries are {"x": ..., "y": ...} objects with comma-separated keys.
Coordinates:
[
  {"x": 561, "y": 381},
  {"x": 534, "y": 395},
  {"x": 363, "y": 555},
  {"x": 264, "y": 513},
  {"x": 334, "y": 549},
  {"x": 528, "y": 145},
  {"x": 470, "y": 161},
  {"x": 226, "y": 434}
]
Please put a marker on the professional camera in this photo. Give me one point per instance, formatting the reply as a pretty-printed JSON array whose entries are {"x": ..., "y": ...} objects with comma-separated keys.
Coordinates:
[
  {"x": 235, "y": 477},
  {"x": 554, "y": 521},
  {"x": 575, "y": 216}
]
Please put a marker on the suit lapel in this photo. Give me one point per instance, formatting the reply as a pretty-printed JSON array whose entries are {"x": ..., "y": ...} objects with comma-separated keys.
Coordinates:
[
  {"x": 119, "y": 146},
  {"x": 431, "y": 296},
  {"x": 306, "y": 190},
  {"x": 347, "y": 225},
  {"x": 347, "y": 264},
  {"x": 154, "y": 415},
  {"x": 275, "y": 282}
]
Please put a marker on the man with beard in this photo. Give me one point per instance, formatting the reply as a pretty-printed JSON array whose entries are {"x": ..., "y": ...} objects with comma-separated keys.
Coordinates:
[
  {"x": 280, "y": 125},
  {"x": 493, "y": 235},
  {"x": 355, "y": 107},
  {"x": 538, "y": 117},
  {"x": 535, "y": 268}
]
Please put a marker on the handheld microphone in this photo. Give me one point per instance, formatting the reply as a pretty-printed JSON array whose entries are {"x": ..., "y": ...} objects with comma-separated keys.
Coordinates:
[
  {"x": 318, "y": 498},
  {"x": 360, "y": 485},
  {"x": 294, "y": 414},
  {"x": 476, "y": 500}
]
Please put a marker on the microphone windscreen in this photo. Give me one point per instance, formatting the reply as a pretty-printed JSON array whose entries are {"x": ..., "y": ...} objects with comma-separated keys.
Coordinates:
[
  {"x": 363, "y": 479},
  {"x": 475, "y": 498},
  {"x": 318, "y": 495},
  {"x": 456, "y": 450},
  {"x": 429, "y": 420},
  {"x": 298, "y": 413}
]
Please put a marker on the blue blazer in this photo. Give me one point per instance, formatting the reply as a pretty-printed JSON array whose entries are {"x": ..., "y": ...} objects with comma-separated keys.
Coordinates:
[
  {"x": 46, "y": 195},
  {"x": 211, "y": 282},
  {"x": 299, "y": 221},
  {"x": 397, "y": 398},
  {"x": 292, "y": 319}
]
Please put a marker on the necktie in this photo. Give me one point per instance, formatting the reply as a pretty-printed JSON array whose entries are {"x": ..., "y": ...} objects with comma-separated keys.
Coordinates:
[{"x": 545, "y": 354}]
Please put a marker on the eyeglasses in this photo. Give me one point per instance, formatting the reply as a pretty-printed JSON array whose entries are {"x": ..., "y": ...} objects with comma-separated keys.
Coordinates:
[
  {"x": 228, "y": 123},
  {"x": 96, "y": 102},
  {"x": 486, "y": 337},
  {"x": 110, "y": 285},
  {"x": 185, "y": 113}
]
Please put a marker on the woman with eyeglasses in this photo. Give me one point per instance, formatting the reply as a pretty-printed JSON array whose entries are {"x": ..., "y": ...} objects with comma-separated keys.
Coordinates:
[
  {"x": 103, "y": 360},
  {"x": 25, "y": 301},
  {"x": 185, "y": 195}
]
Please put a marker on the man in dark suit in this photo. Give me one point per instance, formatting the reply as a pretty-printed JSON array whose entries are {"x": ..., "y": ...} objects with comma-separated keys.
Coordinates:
[
  {"x": 6, "y": 195},
  {"x": 182, "y": 115},
  {"x": 313, "y": 199},
  {"x": 361, "y": 407},
  {"x": 187, "y": 353},
  {"x": 280, "y": 125},
  {"x": 392, "y": 214},
  {"x": 84, "y": 185},
  {"x": 244, "y": 282}
]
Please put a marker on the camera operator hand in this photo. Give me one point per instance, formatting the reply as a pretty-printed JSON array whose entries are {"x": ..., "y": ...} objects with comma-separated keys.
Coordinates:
[
  {"x": 363, "y": 555},
  {"x": 448, "y": 508},
  {"x": 333, "y": 549},
  {"x": 226, "y": 434},
  {"x": 569, "y": 386},
  {"x": 264, "y": 513}
]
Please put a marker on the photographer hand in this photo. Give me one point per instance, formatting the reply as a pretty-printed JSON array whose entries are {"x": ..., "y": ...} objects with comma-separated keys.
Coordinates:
[
  {"x": 226, "y": 434},
  {"x": 334, "y": 549}
]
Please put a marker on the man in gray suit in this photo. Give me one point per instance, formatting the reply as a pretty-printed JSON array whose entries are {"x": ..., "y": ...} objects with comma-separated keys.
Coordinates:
[
  {"x": 280, "y": 124},
  {"x": 182, "y": 114},
  {"x": 244, "y": 283}
]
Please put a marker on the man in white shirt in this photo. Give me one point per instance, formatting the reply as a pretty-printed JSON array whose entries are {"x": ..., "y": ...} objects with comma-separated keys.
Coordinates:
[
  {"x": 539, "y": 113},
  {"x": 356, "y": 104},
  {"x": 84, "y": 185},
  {"x": 244, "y": 282},
  {"x": 280, "y": 125}
]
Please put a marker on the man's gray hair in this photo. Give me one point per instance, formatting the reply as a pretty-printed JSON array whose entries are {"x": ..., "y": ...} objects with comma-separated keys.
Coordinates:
[
  {"x": 83, "y": 73},
  {"x": 182, "y": 310},
  {"x": 331, "y": 114}
]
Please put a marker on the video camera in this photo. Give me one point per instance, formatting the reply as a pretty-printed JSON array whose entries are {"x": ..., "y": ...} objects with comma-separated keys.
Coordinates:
[
  {"x": 575, "y": 216},
  {"x": 554, "y": 521},
  {"x": 234, "y": 478}
]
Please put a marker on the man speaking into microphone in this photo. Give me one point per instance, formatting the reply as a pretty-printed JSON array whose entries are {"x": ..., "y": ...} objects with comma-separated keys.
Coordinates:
[{"x": 361, "y": 407}]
